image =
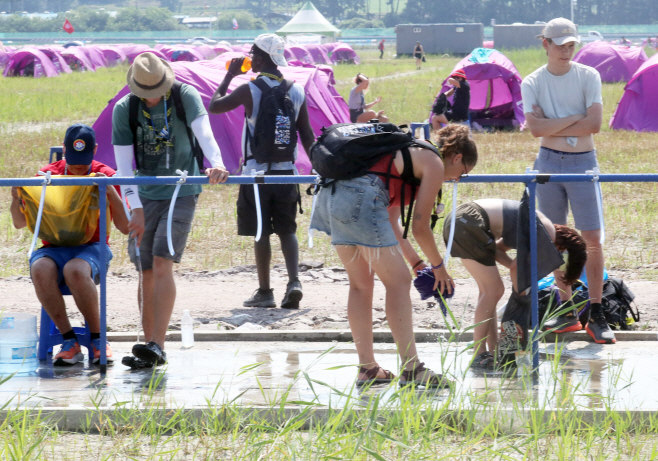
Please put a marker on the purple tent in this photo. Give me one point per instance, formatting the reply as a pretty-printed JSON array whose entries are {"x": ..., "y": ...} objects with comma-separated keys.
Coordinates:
[
  {"x": 637, "y": 108},
  {"x": 131, "y": 57},
  {"x": 205, "y": 51},
  {"x": 301, "y": 53},
  {"x": 615, "y": 63},
  {"x": 237, "y": 48},
  {"x": 344, "y": 53},
  {"x": 133, "y": 49},
  {"x": 56, "y": 58},
  {"x": 329, "y": 47},
  {"x": 219, "y": 49},
  {"x": 77, "y": 59},
  {"x": 495, "y": 88},
  {"x": 318, "y": 54},
  {"x": 95, "y": 56},
  {"x": 4, "y": 57},
  {"x": 30, "y": 62},
  {"x": 182, "y": 53},
  {"x": 113, "y": 54},
  {"x": 325, "y": 107}
]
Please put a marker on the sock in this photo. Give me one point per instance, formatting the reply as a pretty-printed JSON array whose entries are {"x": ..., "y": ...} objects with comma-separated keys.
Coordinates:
[
  {"x": 595, "y": 308},
  {"x": 95, "y": 336},
  {"x": 69, "y": 335}
]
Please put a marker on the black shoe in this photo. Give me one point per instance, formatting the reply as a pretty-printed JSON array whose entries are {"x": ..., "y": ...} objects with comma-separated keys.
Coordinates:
[
  {"x": 261, "y": 298},
  {"x": 151, "y": 353},
  {"x": 134, "y": 363},
  {"x": 484, "y": 361},
  {"x": 564, "y": 323},
  {"x": 293, "y": 295}
]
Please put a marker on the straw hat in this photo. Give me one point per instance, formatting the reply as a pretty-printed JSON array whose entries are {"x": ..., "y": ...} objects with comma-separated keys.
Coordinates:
[{"x": 149, "y": 76}]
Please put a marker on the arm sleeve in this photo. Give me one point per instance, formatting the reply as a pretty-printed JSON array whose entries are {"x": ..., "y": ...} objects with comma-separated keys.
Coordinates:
[
  {"x": 124, "y": 156},
  {"x": 593, "y": 89},
  {"x": 528, "y": 95},
  {"x": 203, "y": 133}
]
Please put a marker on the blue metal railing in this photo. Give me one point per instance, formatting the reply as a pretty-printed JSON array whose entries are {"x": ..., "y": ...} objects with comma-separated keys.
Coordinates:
[{"x": 529, "y": 179}]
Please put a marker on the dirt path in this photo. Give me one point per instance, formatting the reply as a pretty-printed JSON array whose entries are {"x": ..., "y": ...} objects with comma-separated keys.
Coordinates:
[{"x": 215, "y": 299}]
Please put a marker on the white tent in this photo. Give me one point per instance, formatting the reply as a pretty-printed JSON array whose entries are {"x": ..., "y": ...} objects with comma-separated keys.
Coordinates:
[{"x": 309, "y": 20}]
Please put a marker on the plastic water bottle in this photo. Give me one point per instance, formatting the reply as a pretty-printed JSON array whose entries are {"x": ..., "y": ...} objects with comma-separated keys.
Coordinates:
[
  {"x": 18, "y": 344},
  {"x": 187, "y": 330}
]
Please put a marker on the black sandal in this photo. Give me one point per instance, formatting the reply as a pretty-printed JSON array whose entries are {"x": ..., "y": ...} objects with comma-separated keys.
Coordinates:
[
  {"x": 433, "y": 381},
  {"x": 372, "y": 373},
  {"x": 134, "y": 363}
]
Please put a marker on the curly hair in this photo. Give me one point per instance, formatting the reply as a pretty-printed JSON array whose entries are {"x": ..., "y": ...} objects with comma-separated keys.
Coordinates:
[
  {"x": 456, "y": 139},
  {"x": 570, "y": 240}
]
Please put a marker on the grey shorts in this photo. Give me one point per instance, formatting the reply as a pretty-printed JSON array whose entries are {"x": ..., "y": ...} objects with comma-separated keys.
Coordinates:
[
  {"x": 355, "y": 212},
  {"x": 154, "y": 240},
  {"x": 555, "y": 198},
  {"x": 473, "y": 238}
]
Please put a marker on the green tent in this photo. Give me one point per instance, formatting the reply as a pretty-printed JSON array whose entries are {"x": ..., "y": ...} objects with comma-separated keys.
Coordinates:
[{"x": 309, "y": 20}]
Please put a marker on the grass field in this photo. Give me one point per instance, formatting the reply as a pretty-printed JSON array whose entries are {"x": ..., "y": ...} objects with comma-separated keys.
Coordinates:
[{"x": 28, "y": 108}]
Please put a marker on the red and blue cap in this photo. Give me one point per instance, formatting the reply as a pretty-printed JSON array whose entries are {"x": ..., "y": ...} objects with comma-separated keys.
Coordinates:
[{"x": 79, "y": 141}]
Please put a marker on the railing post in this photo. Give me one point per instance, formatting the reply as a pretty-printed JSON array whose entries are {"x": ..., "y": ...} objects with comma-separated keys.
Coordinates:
[
  {"x": 102, "y": 238},
  {"x": 532, "y": 192}
]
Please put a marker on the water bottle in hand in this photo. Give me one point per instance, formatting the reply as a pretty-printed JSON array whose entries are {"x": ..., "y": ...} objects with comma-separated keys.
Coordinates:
[{"x": 187, "y": 330}]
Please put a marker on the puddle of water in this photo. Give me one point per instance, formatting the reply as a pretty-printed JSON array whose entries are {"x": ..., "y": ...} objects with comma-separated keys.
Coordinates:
[{"x": 596, "y": 376}]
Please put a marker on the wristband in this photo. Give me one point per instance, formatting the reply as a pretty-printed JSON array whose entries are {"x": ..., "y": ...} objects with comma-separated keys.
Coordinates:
[
  {"x": 417, "y": 264},
  {"x": 437, "y": 267}
]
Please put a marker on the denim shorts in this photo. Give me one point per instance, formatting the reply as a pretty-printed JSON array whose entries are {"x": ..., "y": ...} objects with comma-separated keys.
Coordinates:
[
  {"x": 154, "y": 240},
  {"x": 554, "y": 199},
  {"x": 91, "y": 252},
  {"x": 355, "y": 212}
]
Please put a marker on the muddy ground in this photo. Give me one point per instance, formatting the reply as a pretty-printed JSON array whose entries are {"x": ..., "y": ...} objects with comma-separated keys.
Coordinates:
[{"x": 215, "y": 300}]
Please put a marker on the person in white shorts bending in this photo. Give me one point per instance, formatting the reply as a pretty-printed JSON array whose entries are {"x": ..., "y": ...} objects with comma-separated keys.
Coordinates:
[{"x": 563, "y": 107}]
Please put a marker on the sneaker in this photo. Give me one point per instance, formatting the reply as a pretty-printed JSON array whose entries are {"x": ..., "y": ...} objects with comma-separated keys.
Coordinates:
[
  {"x": 69, "y": 354},
  {"x": 564, "y": 323},
  {"x": 293, "y": 295},
  {"x": 151, "y": 353},
  {"x": 599, "y": 330},
  {"x": 134, "y": 363},
  {"x": 96, "y": 349},
  {"x": 261, "y": 298}
]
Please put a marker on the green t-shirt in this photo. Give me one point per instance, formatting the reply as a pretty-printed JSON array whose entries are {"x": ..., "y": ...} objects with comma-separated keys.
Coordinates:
[{"x": 159, "y": 157}]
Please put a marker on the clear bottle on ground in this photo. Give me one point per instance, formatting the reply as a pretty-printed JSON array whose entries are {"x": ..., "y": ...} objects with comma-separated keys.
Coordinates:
[{"x": 187, "y": 330}]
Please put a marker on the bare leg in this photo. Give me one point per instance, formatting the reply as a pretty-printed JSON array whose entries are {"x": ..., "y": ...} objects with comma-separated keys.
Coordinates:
[
  {"x": 594, "y": 265},
  {"x": 148, "y": 311},
  {"x": 490, "y": 285},
  {"x": 366, "y": 116},
  {"x": 164, "y": 297},
  {"x": 44, "y": 278},
  {"x": 77, "y": 273},
  {"x": 437, "y": 120},
  {"x": 263, "y": 252}
]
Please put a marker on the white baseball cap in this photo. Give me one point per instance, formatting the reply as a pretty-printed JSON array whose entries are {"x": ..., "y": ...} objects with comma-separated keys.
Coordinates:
[
  {"x": 273, "y": 45},
  {"x": 561, "y": 31}
]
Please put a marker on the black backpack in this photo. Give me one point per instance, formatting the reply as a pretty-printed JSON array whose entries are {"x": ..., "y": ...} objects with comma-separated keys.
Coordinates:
[
  {"x": 133, "y": 113},
  {"x": 616, "y": 303},
  {"x": 275, "y": 132},
  {"x": 349, "y": 150}
]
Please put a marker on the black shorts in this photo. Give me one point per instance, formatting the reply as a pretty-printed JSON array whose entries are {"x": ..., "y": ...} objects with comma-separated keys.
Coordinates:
[
  {"x": 473, "y": 238},
  {"x": 278, "y": 207},
  {"x": 418, "y": 55},
  {"x": 354, "y": 114}
]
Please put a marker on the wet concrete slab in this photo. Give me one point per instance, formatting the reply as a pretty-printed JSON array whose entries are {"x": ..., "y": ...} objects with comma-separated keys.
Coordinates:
[{"x": 258, "y": 374}]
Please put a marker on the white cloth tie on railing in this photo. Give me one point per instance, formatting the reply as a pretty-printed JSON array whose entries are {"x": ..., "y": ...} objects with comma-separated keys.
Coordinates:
[
  {"x": 37, "y": 227},
  {"x": 599, "y": 200},
  {"x": 451, "y": 237},
  {"x": 259, "y": 214},
  {"x": 170, "y": 217},
  {"x": 311, "y": 232}
]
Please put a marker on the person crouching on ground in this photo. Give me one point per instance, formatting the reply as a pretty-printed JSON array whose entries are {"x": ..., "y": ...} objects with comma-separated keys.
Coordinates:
[
  {"x": 78, "y": 267},
  {"x": 484, "y": 231},
  {"x": 361, "y": 217},
  {"x": 457, "y": 112},
  {"x": 360, "y": 112},
  {"x": 271, "y": 147},
  {"x": 157, "y": 138}
]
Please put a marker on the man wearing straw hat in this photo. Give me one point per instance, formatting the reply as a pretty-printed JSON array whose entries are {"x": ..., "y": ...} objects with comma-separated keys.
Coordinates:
[
  {"x": 563, "y": 107},
  {"x": 155, "y": 126},
  {"x": 77, "y": 267}
]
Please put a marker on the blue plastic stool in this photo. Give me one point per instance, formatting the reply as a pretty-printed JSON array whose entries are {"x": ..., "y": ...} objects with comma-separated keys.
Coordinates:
[
  {"x": 50, "y": 336},
  {"x": 424, "y": 126}
]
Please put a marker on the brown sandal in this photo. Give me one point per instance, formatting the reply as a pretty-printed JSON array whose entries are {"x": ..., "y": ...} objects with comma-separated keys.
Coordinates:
[
  {"x": 372, "y": 376},
  {"x": 434, "y": 381}
]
